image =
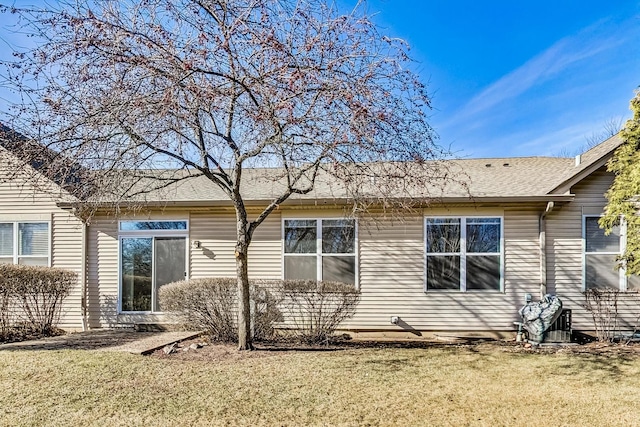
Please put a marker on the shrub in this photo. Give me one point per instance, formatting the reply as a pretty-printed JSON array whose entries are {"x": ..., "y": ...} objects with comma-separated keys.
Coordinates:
[
  {"x": 7, "y": 295},
  {"x": 315, "y": 309},
  {"x": 210, "y": 304},
  {"x": 603, "y": 306},
  {"x": 266, "y": 298},
  {"x": 36, "y": 293}
]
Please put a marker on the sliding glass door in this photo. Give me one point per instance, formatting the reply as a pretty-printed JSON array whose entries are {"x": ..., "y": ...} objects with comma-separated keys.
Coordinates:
[
  {"x": 170, "y": 265},
  {"x": 147, "y": 264}
]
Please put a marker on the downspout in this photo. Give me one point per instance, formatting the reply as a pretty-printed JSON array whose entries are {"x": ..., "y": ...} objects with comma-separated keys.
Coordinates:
[
  {"x": 83, "y": 276},
  {"x": 542, "y": 230}
]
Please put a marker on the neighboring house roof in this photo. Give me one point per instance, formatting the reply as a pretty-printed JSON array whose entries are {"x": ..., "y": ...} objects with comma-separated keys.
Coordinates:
[{"x": 66, "y": 174}]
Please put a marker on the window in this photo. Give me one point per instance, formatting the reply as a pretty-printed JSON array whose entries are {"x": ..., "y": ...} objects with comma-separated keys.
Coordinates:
[
  {"x": 152, "y": 225},
  {"x": 24, "y": 243},
  {"x": 320, "y": 249},
  {"x": 463, "y": 253},
  {"x": 601, "y": 267},
  {"x": 152, "y": 254}
]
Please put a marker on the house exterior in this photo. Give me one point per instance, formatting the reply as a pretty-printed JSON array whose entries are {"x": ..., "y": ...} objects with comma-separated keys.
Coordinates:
[
  {"x": 34, "y": 230},
  {"x": 464, "y": 263}
]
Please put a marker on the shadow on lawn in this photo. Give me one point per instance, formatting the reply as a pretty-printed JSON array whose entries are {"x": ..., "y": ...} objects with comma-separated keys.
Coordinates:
[
  {"x": 394, "y": 365},
  {"x": 90, "y": 340},
  {"x": 609, "y": 366},
  {"x": 347, "y": 344}
]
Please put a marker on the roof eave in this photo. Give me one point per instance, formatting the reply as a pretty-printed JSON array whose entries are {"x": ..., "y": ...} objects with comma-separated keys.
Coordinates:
[
  {"x": 586, "y": 170},
  {"x": 566, "y": 185},
  {"x": 328, "y": 202}
]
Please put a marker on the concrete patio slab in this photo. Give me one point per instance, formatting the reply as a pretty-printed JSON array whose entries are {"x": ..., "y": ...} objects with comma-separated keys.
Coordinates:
[
  {"x": 125, "y": 340},
  {"x": 152, "y": 341}
]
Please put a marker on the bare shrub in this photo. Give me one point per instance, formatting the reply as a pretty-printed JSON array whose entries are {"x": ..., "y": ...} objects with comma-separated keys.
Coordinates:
[
  {"x": 36, "y": 293},
  {"x": 206, "y": 304},
  {"x": 635, "y": 301},
  {"x": 211, "y": 304},
  {"x": 6, "y": 295},
  {"x": 315, "y": 309},
  {"x": 603, "y": 306},
  {"x": 265, "y": 302}
]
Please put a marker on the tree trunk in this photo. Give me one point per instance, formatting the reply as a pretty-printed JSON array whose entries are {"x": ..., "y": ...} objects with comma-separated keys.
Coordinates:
[
  {"x": 242, "y": 272},
  {"x": 244, "y": 312}
]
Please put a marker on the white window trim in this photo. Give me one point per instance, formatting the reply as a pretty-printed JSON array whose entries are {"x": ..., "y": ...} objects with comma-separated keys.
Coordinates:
[
  {"x": 318, "y": 252},
  {"x": 463, "y": 255},
  {"x": 150, "y": 234},
  {"x": 622, "y": 275},
  {"x": 16, "y": 240}
]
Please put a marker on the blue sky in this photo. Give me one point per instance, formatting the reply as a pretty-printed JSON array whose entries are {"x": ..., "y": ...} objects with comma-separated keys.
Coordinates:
[
  {"x": 509, "y": 77},
  {"x": 516, "y": 78}
]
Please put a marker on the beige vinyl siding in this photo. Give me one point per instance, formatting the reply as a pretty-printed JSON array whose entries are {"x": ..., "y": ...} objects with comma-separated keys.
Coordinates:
[
  {"x": 565, "y": 257},
  {"x": 522, "y": 253},
  {"x": 391, "y": 263},
  {"x": 216, "y": 232},
  {"x": 216, "y": 255},
  {"x": 66, "y": 239},
  {"x": 391, "y": 268},
  {"x": 102, "y": 254},
  {"x": 392, "y": 279},
  {"x": 21, "y": 200},
  {"x": 265, "y": 252}
]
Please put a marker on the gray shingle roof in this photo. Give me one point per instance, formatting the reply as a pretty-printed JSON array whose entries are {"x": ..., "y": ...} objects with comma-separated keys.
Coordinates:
[
  {"x": 592, "y": 158},
  {"x": 518, "y": 177},
  {"x": 513, "y": 177},
  {"x": 49, "y": 164},
  {"x": 489, "y": 178},
  {"x": 599, "y": 151}
]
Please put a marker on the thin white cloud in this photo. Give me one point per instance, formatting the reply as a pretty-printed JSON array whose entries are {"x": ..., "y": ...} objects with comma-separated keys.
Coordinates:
[
  {"x": 543, "y": 67},
  {"x": 563, "y": 141}
]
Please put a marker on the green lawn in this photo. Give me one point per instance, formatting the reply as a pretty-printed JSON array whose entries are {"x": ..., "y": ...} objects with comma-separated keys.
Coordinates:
[{"x": 435, "y": 386}]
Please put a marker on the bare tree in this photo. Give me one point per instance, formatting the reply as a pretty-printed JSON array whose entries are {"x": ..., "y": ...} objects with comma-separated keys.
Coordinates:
[
  {"x": 610, "y": 128},
  {"x": 152, "y": 92}
]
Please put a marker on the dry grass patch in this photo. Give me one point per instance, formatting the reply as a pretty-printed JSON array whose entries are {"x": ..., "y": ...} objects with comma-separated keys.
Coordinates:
[{"x": 433, "y": 386}]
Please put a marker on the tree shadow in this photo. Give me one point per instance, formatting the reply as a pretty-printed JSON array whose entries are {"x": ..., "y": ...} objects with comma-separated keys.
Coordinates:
[{"x": 89, "y": 340}]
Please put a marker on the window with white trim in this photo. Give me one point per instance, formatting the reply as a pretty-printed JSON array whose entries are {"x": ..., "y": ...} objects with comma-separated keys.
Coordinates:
[
  {"x": 24, "y": 243},
  {"x": 153, "y": 253},
  {"x": 464, "y": 253},
  {"x": 320, "y": 249},
  {"x": 601, "y": 266}
]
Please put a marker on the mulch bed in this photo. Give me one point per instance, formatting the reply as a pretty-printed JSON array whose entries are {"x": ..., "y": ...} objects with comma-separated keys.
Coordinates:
[
  {"x": 18, "y": 334},
  {"x": 203, "y": 350}
]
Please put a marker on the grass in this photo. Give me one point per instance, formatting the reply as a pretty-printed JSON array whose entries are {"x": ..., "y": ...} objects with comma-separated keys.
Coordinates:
[{"x": 434, "y": 386}]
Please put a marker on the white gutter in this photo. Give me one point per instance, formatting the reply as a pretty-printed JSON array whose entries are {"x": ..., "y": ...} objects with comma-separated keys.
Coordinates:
[{"x": 542, "y": 230}]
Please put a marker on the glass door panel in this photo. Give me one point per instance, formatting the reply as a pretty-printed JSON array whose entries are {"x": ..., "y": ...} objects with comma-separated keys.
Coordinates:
[
  {"x": 170, "y": 263},
  {"x": 136, "y": 259}
]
